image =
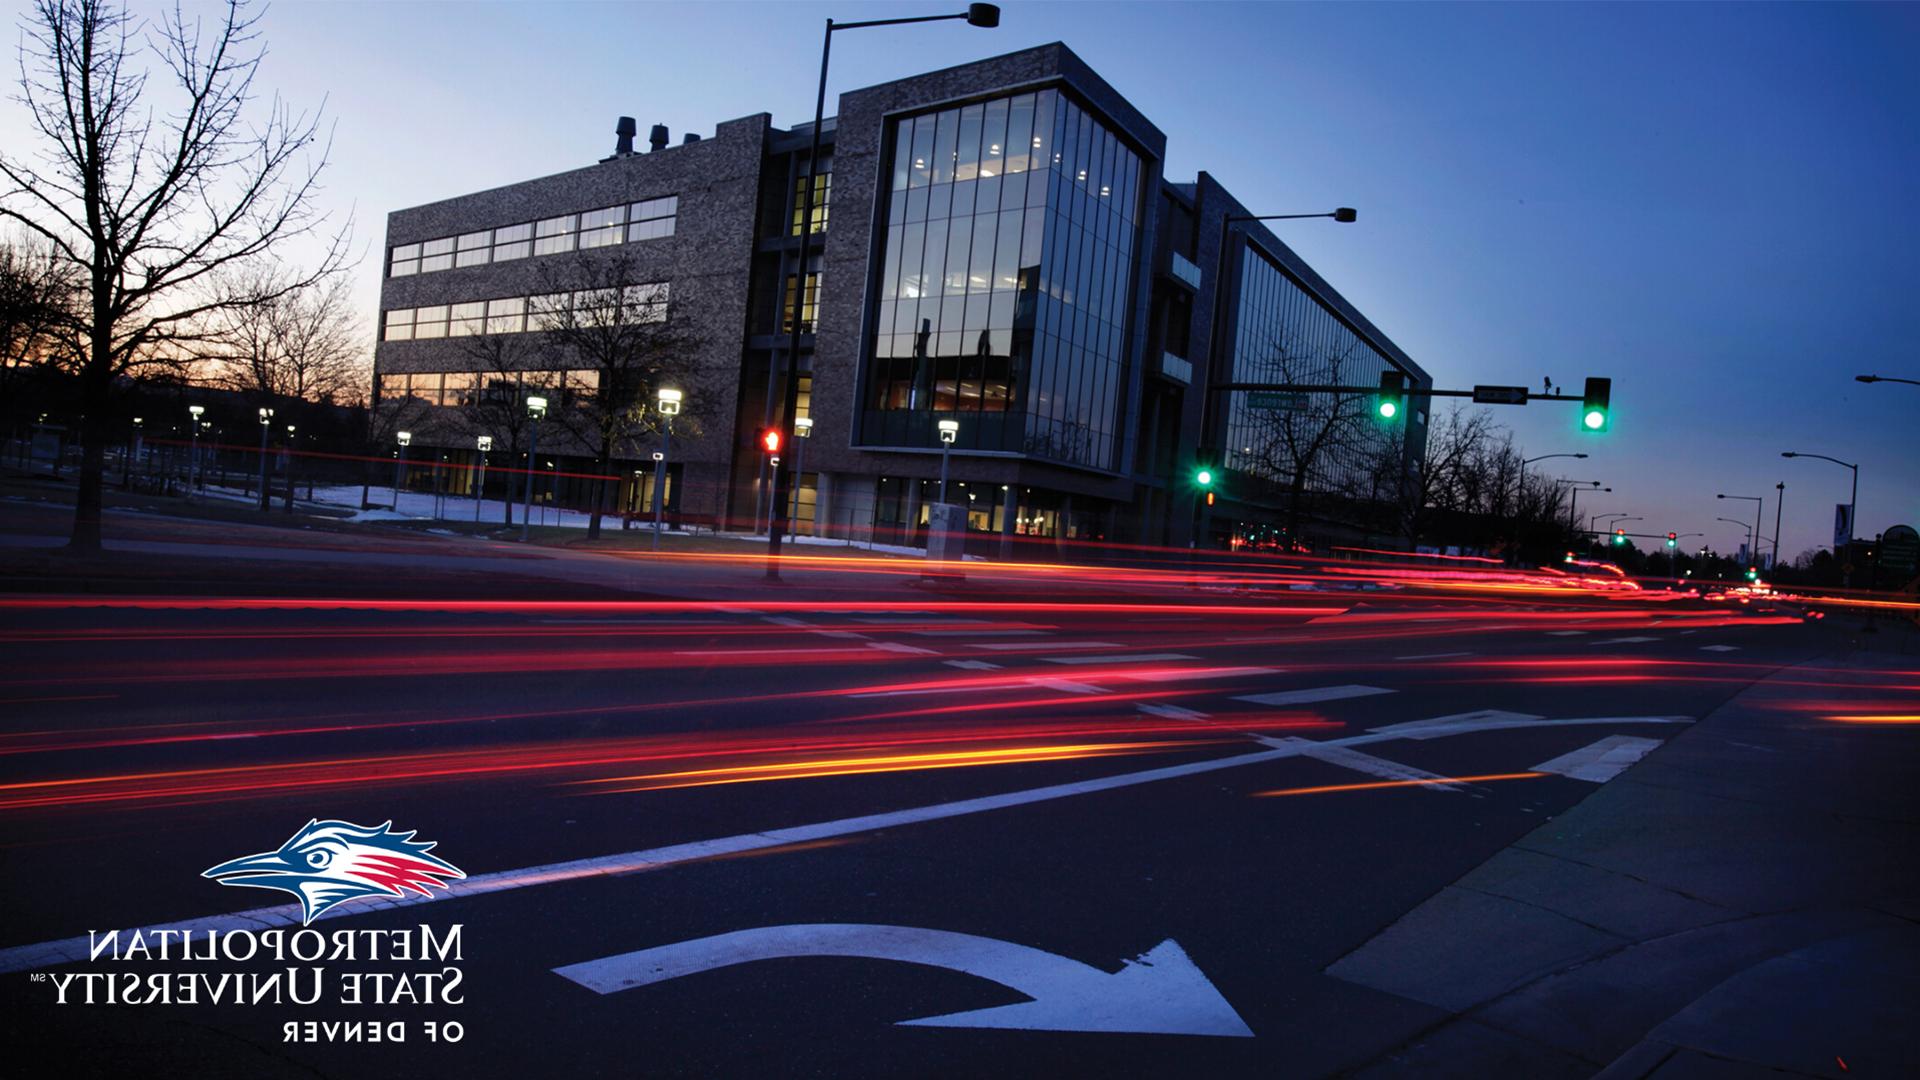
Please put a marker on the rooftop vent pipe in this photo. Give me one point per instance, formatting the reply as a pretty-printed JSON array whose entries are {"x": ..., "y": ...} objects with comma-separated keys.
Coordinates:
[
  {"x": 625, "y": 130},
  {"x": 658, "y": 138}
]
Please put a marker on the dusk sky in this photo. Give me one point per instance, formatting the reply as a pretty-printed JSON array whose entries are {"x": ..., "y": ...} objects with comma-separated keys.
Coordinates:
[{"x": 1712, "y": 204}]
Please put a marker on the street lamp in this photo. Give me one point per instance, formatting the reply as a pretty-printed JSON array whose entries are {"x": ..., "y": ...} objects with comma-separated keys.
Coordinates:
[
  {"x": 485, "y": 445},
  {"x": 1743, "y": 525},
  {"x": 1759, "y": 503},
  {"x": 266, "y": 422},
  {"x": 802, "y": 431},
  {"x": 1881, "y": 378},
  {"x": 1846, "y": 565},
  {"x": 287, "y": 504},
  {"x": 193, "y": 465},
  {"x": 982, "y": 15},
  {"x": 405, "y": 439},
  {"x": 1573, "y": 505},
  {"x": 949, "y": 431},
  {"x": 669, "y": 402},
  {"x": 536, "y": 408},
  {"x": 133, "y": 451}
]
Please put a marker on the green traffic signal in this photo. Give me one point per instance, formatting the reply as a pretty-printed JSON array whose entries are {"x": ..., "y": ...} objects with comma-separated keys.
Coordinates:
[
  {"x": 1393, "y": 390},
  {"x": 1594, "y": 405},
  {"x": 1204, "y": 477},
  {"x": 1388, "y": 410}
]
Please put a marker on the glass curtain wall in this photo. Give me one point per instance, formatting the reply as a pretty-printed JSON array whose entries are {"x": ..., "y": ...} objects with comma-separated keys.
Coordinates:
[
  {"x": 1282, "y": 334},
  {"x": 1004, "y": 281}
]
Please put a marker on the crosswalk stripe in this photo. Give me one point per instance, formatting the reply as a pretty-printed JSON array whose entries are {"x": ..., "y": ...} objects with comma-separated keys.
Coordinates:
[
  {"x": 1600, "y": 761},
  {"x": 1108, "y": 658},
  {"x": 1050, "y": 645},
  {"x": 1318, "y": 693},
  {"x": 1349, "y": 758}
]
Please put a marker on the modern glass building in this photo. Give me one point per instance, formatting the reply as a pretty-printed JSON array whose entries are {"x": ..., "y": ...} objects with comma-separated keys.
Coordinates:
[{"x": 992, "y": 244}]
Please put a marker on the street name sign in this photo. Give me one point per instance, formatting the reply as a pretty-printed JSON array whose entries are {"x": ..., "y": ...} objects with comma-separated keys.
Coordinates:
[
  {"x": 1277, "y": 401},
  {"x": 1500, "y": 395}
]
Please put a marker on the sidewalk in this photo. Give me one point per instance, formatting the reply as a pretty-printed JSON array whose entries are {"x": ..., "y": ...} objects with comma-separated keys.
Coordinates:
[{"x": 1744, "y": 901}]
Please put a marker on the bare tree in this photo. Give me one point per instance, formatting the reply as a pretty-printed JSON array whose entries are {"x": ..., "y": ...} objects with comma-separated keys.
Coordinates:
[
  {"x": 159, "y": 184},
  {"x": 1292, "y": 446},
  {"x": 606, "y": 323},
  {"x": 504, "y": 368},
  {"x": 303, "y": 345}
]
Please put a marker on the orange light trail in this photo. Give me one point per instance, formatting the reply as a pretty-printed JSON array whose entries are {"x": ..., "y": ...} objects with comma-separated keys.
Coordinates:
[
  {"x": 860, "y": 766},
  {"x": 1377, "y": 785},
  {"x": 1877, "y": 718}
]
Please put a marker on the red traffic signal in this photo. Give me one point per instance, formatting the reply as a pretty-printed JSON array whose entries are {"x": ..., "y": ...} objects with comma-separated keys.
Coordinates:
[{"x": 770, "y": 440}]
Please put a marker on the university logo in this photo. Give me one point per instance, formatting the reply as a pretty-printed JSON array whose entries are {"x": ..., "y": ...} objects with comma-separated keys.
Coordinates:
[{"x": 328, "y": 863}]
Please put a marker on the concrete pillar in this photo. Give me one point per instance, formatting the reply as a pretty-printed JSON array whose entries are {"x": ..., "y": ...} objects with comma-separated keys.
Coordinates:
[
  {"x": 912, "y": 515},
  {"x": 822, "y": 504}
]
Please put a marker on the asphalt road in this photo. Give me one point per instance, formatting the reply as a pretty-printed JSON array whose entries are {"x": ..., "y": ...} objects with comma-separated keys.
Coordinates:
[{"x": 1064, "y": 787}]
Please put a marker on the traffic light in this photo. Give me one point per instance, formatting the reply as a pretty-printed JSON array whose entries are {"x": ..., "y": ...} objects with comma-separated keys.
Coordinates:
[
  {"x": 1673, "y": 540},
  {"x": 1392, "y": 399},
  {"x": 770, "y": 440},
  {"x": 1753, "y": 573},
  {"x": 1619, "y": 537},
  {"x": 1594, "y": 415},
  {"x": 1203, "y": 477}
]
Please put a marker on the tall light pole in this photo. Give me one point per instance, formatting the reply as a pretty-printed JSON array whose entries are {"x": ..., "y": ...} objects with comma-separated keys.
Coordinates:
[
  {"x": 949, "y": 431},
  {"x": 287, "y": 503},
  {"x": 133, "y": 451},
  {"x": 405, "y": 439},
  {"x": 669, "y": 402},
  {"x": 1759, "y": 504},
  {"x": 266, "y": 422},
  {"x": 1573, "y": 506},
  {"x": 485, "y": 445},
  {"x": 1743, "y": 525},
  {"x": 536, "y": 408},
  {"x": 1853, "y": 512},
  {"x": 1881, "y": 378},
  {"x": 1779, "y": 504},
  {"x": 193, "y": 465},
  {"x": 981, "y": 15},
  {"x": 1216, "y": 347},
  {"x": 802, "y": 431}
]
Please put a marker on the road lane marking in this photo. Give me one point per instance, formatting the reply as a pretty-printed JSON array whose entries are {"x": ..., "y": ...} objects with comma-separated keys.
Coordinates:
[
  {"x": 895, "y": 620},
  {"x": 979, "y": 633},
  {"x": 1496, "y": 720},
  {"x": 1719, "y": 648},
  {"x": 1195, "y": 674},
  {"x": 75, "y": 949},
  {"x": 802, "y": 624},
  {"x": 1318, "y": 693},
  {"x": 1050, "y": 645},
  {"x": 1161, "y": 992},
  {"x": 1623, "y": 641},
  {"x": 1565, "y": 633},
  {"x": 1359, "y": 761},
  {"x": 1172, "y": 712},
  {"x": 1433, "y": 656},
  {"x": 1108, "y": 658},
  {"x": 1600, "y": 761},
  {"x": 902, "y": 647},
  {"x": 972, "y": 665},
  {"x": 1067, "y": 685}
]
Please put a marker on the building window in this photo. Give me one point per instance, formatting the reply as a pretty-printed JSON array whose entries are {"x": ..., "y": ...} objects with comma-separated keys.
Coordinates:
[
  {"x": 424, "y": 386},
  {"x": 507, "y": 316},
  {"x": 645, "y": 303},
  {"x": 809, "y": 304},
  {"x": 430, "y": 322},
  {"x": 512, "y": 242},
  {"x": 436, "y": 255},
  {"x": 472, "y": 248},
  {"x": 822, "y": 189},
  {"x": 406, "y": 261},
  {"x": 654, "y": 218},
  {"x": 460, "y": 388},
  {"x": 599, "y": 228},
  {"x": 468, "y": 319},
  {"x": 399, "y": 325},
  {"x": 554, "y": 235},
  {"x": 1005, "y": 275}
]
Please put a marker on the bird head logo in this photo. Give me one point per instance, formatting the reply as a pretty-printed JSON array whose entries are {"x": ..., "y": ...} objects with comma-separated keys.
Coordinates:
[{"x": 327, "y": 863}]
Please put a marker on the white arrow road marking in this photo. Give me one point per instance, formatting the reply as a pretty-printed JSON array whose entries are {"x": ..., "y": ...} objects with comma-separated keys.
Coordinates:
[
  {"x": 1719, "y": 648},
  {"x": 1601, "y": 761},
  {"x": 1107, "y": 658},
  {"x": 1318, "y": 693},
  {"x": 75, "y": 949},
  {"x": 972, "y": 665},
  {"x": 1349, "y": 758},
  {"x": 1433, "y": 656},
  {"x": 1159, "y": 993},
  {"x": 1623, "y": 641}
]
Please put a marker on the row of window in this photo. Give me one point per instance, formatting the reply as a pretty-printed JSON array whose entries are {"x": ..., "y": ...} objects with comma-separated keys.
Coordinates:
[
  {"x": 648, "y": 220},
  {"x": 457, "y": 388},
  {"x": 514, "y": 314}
]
